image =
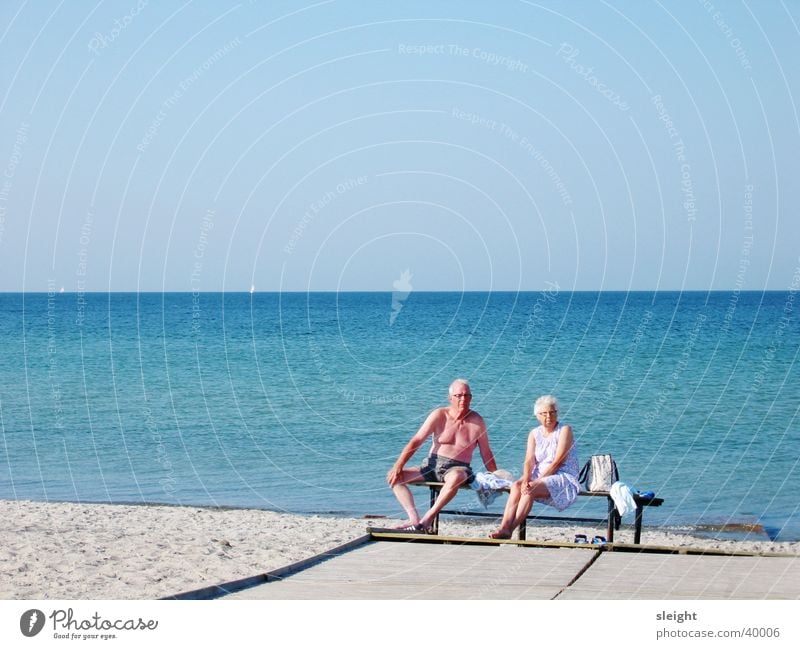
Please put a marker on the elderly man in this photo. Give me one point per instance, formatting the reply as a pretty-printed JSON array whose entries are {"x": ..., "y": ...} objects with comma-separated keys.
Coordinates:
[{"x": 456, "y": 431}]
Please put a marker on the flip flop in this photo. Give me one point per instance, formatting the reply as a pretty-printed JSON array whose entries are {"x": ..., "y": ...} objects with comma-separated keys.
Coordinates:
[
  {"x": 599, "y": 540},
  {"x": 415, "y": 529},
  {"x": 581, "y": 538}
]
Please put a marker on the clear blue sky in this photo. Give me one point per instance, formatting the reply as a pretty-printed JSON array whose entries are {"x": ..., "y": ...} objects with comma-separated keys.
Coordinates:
[{"x": 333, "y": 145}]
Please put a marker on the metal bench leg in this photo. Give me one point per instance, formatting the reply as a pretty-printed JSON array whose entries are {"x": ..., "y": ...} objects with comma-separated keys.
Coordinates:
[
  {"x": 610, "y": 524},
  {"x": 637, "y": 534},
  {"x": 435, "y": 523}
]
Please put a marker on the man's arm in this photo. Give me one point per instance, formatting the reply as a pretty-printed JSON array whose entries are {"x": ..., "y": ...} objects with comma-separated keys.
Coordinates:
[
  {"x": 425, "y": 431},
  {"x": 485, "y": 449}
]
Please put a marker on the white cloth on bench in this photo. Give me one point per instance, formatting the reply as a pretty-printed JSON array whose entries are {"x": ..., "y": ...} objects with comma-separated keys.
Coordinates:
[
  {"x": 622, "y": 496},
  {"x": 489, "y": 486}
]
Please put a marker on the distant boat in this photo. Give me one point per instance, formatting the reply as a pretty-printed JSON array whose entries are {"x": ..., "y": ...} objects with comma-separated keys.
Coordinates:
[
  {"x": 252, "y": 288},
  {"x": 61, "y": 290}
]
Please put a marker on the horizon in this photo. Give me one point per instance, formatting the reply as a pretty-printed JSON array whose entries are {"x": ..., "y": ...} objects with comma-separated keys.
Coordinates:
[{"x": 332, "y": 292}]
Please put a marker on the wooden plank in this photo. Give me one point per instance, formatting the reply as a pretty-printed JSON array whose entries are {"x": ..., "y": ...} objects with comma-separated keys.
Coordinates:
[
  {"x": 673, "y": 576},
  {"x": 471, "y": 540},
  {"x": 645, "y": 502},
  {"x": 684, "y": 549}
]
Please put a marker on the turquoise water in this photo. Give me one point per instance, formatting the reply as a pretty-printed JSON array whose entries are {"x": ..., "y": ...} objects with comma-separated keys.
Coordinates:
[{"x": 301, "y": 402}]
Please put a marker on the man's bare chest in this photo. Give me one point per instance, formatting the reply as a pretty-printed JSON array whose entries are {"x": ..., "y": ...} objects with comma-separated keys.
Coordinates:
[{"x": 458, "y": 432}]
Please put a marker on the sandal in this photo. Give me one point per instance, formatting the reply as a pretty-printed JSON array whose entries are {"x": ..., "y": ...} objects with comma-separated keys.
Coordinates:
[{"x": 581, "y": 538}]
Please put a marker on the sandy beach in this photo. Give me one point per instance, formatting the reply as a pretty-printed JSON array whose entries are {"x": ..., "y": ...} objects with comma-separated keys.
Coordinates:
[{"x": 96, "y": 551}]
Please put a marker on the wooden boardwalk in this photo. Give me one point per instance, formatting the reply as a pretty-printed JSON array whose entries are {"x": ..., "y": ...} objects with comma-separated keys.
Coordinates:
[
  {"x": 460, "y": 569},
  {"x": 384, "y": 570}
]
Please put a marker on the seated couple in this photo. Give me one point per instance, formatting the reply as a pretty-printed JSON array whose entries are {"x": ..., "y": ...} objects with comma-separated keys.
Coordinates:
[{"x": 550, "y": 473}]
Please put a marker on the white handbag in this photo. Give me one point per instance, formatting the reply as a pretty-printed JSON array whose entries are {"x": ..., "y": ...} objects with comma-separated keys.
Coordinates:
[{"x": 599, "y": 473}]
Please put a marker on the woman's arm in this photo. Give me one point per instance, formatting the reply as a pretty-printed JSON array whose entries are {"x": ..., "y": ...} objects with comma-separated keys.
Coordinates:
[{"x": 530, "y": 461}]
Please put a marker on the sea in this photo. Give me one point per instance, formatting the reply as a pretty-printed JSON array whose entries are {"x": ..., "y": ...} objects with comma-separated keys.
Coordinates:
[{"x": 301, "y": 402}]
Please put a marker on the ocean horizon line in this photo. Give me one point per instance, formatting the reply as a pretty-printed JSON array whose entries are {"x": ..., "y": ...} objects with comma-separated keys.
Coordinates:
[{"x": 428, "y": 292}]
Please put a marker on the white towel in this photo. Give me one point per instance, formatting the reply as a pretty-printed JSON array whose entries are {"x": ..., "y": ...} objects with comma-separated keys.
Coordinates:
[
  {"x": 489, "y": 486},
  {"x": 622, "y": 496}
]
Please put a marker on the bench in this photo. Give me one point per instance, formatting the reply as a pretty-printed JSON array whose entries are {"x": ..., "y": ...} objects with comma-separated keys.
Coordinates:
[{"x": 612, "y": 519}]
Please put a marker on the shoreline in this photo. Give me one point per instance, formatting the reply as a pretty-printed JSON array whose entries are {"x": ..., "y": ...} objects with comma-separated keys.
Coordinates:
[
  {"x": 63, "y": 550},
  {"x": 725, "y": 530}
]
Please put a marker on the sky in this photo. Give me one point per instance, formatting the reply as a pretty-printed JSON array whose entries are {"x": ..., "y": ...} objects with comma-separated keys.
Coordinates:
[{"x": 350, "y": 146}]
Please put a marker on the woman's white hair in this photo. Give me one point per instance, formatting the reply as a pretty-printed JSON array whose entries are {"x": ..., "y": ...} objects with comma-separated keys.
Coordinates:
[{"x": 543, "y": 401}]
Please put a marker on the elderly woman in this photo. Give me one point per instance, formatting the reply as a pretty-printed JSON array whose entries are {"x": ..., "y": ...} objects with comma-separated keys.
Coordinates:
[{"x": 550, "y": 474}]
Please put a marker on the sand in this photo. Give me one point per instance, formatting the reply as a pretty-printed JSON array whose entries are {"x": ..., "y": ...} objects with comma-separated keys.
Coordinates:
[{"x": 96, "y": 551}]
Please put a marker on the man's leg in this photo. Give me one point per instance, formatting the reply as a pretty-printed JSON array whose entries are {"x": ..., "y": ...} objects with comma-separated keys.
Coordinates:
[
  {"x": 404, "y": 495},
  {"x": 453, "y": 479}
]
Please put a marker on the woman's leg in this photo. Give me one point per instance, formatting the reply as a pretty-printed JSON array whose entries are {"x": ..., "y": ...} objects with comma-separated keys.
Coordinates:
[
  {"x": 510, "y": 513},
  {"x": 535, "y": 489}
]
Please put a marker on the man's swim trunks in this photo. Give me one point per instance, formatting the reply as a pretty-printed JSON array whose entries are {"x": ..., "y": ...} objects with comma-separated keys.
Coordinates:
[{"x": 434, "y": 468}]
